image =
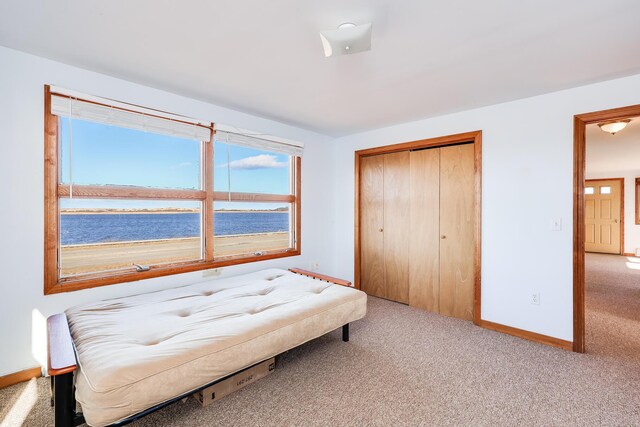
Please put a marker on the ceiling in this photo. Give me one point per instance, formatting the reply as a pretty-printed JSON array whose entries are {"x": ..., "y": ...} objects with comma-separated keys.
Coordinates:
[
  {"x": 429, "y": 57},
  {"x": 608, "y": 153}
]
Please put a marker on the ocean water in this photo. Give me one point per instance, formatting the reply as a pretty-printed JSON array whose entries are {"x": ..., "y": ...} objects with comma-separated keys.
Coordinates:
[{"x": 90, "y": 228}]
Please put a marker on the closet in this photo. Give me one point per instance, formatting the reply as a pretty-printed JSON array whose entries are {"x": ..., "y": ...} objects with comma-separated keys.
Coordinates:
[{"x": 416, "y": 228}]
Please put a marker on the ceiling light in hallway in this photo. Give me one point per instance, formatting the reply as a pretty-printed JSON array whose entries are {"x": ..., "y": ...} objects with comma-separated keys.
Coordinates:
[{"x": 614, "y": 126}]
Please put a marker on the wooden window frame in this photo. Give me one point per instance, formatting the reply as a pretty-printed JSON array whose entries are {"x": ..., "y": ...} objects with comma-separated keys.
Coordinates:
[{"x": 53, "y": 190}]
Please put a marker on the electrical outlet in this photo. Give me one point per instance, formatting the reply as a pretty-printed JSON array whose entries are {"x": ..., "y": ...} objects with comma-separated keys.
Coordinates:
[
  {"x": 314, "y": 266},
  {"x": 214, "y": 272},
  {"x": 535, "y": 298}
]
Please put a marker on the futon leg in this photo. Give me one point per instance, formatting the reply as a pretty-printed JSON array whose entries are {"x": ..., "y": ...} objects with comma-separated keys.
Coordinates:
[
  {"x": 64, "y": 399},
  {"x": 345, "y": 333},
  {"x": 64, "y": 402}
]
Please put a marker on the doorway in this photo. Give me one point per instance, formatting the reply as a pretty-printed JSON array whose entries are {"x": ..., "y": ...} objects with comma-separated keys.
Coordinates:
[{"x": 580, "y": 210}]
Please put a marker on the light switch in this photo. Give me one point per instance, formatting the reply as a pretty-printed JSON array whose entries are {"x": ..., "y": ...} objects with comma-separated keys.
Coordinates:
[{"x": 556, "y": 224}]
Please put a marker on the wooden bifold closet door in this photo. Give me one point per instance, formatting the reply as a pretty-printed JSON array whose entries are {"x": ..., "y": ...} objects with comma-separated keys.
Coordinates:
[
  {"x": 395, "y": 230},
  {"x": 372, "y": 223},
  {"x": 456, "y": 231},
  {"x": 424, "y": 243},
  {"x": 417, "y": 212},
  {"x": 384, "y": 197}
]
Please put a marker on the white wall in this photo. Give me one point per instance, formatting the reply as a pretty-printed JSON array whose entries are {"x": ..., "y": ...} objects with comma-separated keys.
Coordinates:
[
  {"x": 618, "y": 156},
  {"x": 527, "y": 180},
  {"x": 22, "y": 80}
]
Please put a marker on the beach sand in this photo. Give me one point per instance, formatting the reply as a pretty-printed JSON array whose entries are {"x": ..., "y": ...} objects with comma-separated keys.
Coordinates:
[{"x": 78, "y": 259}]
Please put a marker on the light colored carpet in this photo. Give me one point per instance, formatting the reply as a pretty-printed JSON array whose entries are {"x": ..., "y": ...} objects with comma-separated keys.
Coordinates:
[{"x": 408, "y": 367}]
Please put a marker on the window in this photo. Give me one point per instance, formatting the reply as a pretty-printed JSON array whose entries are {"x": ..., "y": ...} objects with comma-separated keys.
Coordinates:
[
  {"x": 253, "y": 211},
  {"x": 605, "y": 189},
  {"x": 588, "y": 190},
  {"x": 132, "y": 193},
  {"x": 103, "y": 235},
  {"x": 254, "y": 207}
]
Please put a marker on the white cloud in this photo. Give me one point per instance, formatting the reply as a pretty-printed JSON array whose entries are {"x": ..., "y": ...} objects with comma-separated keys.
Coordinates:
[
  {"x": 262, "y": 161},
  {"x": 182, "y": 165}
]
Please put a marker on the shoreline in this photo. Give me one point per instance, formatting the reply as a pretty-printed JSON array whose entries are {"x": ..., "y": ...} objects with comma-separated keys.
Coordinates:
[
  {"x": 170, "y": 239},
  {"x": 92, "y": 257},
  {"x": 167, "y": 212}
]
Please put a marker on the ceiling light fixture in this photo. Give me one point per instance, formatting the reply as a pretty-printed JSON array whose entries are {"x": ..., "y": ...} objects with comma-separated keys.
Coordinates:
[
  {"x": 614, "y": 127},
  {"x": 348, "y": 38}
]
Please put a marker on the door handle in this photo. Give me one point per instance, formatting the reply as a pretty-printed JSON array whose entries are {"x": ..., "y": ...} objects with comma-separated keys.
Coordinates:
[
  {"x": 443, "y": 237},
  {"x": 380, "y": 230},
  {"x": 615, "y": 220}
]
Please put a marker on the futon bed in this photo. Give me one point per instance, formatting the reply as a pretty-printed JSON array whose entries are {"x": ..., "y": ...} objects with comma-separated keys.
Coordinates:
[{"x": 144, "y": 351}]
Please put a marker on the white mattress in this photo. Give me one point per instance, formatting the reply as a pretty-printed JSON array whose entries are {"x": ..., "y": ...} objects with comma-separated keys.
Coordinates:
[{"x": 138, "y": 351}]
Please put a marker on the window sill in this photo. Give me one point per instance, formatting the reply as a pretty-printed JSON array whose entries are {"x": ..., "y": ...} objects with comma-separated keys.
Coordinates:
[{"x": 71, "y": 284}]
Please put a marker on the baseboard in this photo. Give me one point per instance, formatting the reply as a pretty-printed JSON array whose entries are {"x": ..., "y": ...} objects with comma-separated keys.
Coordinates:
[
  {"x": 527, "y": 335},
  {"x": 18, "y": 377},
  {"x": 629, "y": 254}
]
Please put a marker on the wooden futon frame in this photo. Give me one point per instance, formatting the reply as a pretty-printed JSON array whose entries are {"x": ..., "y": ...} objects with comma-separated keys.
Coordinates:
[{"x": 62, "y": 365}]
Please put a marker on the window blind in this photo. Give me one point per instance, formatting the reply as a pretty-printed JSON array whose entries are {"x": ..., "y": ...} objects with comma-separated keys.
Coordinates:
[
  {"x": 260, "y": 143},
  {"x": 103, "y": 112}
]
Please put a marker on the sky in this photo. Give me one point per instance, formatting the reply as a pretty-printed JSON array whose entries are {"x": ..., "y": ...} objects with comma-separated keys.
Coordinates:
[{"x": 103, "y": 155}]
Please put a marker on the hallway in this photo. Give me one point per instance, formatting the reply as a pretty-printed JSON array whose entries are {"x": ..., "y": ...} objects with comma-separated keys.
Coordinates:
[{"x": 613, "y": 306}]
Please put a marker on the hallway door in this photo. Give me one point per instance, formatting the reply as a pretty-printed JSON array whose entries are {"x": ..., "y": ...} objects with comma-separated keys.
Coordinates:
[{"x": 602, "y": 213}]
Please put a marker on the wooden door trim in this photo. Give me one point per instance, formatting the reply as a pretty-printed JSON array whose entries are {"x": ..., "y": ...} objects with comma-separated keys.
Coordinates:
[
  {"x": 621, "y": 180},
  {"x": 636, "y": 212},
  {"x": 580, "y": 123},
  {"x": 474, "y": 137},
  {"x": 439, "y": 141}
]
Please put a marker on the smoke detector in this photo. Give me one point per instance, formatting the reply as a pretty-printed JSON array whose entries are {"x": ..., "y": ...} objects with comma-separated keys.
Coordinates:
[{"x": 348, "y": 38}]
